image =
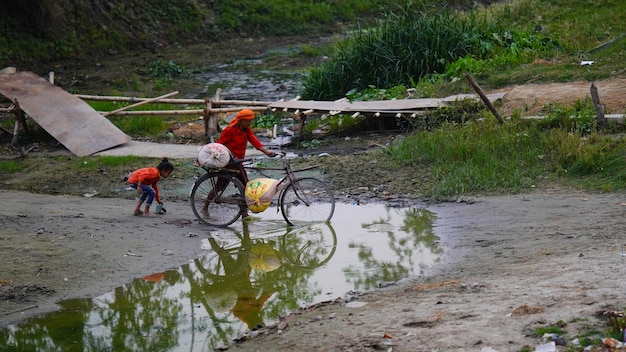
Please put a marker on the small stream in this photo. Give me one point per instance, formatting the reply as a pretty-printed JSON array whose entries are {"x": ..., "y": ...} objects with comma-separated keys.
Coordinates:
[{"x": 250, "y": 84}]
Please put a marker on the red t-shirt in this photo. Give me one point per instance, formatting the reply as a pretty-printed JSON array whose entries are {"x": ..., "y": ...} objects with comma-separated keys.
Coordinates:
[
  {"x": 237, "y": 140},
  {"x": 147, "y": 176}
]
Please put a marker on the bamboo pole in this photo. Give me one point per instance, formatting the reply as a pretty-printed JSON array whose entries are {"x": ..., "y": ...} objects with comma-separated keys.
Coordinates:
[
  {"x": 597, "y": 105},
  {"x": 171, "y": 101},
  {"x": 224, "y": 110},
  {"x": 20, "y": 123},
  {"x": 484, "y": 98},
  {"x": 140, "y": 103},
  {"x": 244, "y": 102},
  {"x": 135, "y": 99},
  {"x": 207, "y": 117},
  {"x": 184, "y": 112},
  {"x": 158, "y": 112}
]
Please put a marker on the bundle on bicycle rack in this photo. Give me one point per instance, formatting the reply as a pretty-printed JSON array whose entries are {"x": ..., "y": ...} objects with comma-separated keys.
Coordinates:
[
  {"x": 213, "y": 156},
  {"x": 260, "y": 192}
]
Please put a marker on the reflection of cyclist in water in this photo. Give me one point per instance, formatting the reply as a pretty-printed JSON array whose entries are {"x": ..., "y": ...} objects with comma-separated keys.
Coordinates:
[
  {"x": 244, "y": 277},
  {"x": 237, "y": 268},
  {"x": 249, "y": 305}
]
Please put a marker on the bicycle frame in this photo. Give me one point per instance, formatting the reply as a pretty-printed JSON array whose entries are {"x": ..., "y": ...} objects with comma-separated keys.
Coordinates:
[
  {"x": 289, "y": 178},
  {"x": 300, "y": 199}
]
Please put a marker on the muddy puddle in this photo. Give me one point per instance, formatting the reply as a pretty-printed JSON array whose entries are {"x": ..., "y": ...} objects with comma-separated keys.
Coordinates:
[{"x": 250, "y": 276}]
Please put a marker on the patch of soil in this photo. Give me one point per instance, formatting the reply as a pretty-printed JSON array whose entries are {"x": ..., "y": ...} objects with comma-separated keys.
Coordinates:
[
  {"x": 23, "y": 293},
  {"x": 530, "y": 99}
]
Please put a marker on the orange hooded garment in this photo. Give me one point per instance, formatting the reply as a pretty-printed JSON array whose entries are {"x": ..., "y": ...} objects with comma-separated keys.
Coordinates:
[
  {"x": 235, "y": 139},
  {"x": 244, "y": 114}
]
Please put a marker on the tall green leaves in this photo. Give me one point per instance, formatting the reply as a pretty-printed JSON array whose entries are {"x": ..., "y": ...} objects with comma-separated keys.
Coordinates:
[{"x": 418, "y": 41}]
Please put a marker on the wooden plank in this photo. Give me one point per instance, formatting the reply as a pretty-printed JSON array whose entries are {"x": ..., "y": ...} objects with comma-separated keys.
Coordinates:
[
  {"x": 403, "y": 104},
  {"x": 375, "y": 106},
  {"x": 74, "y": 123}
]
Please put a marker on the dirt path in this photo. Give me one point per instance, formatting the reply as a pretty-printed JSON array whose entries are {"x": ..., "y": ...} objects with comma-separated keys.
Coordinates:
[
  {"x": 512, "y": 263},
  {"x": 529, "y": 99}
]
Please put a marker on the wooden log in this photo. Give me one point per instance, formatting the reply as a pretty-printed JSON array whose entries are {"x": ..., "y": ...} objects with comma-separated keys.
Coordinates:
[
  {"x": 172, "y": 101},
  {"x": 205, "y": 115},
  {"x": 607, "y": 44},
  {"x": 199, "y": 112},
  {"x": 214, "y": 126},
  {"x": 20, "y": 123},
  {"x": 159, "y": 112},
  {"x": 597, "y": 106},
  {"x": 225, "y": 110},
  {"x": 140, "y": 103},
  {"x": 484, "y": 97},
  {"x": 135, "y": 99},
  {"x": 242, "y": 102},
  {"x": 301, "y": 125}
]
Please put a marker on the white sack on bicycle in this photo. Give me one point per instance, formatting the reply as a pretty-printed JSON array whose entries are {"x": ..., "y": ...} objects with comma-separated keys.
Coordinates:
[
  {"x": 259, "y": 193},
  {"x": 213, "y": 156}
]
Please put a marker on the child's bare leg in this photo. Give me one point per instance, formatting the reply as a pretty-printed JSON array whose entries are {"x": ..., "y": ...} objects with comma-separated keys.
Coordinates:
[
  {"x": 137, "y": 210},
  {"x": 146, "y": 211}
]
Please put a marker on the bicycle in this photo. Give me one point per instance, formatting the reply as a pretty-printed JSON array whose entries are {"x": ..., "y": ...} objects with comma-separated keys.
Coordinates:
[{"x": 218, "y": 197}]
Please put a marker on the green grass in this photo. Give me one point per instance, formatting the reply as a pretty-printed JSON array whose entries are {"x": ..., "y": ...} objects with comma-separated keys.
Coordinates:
[
  {"x": 579, "y": 28},
  {"x": 11, "y": 166},
  {"x": 103, "y": 162},
  {"x": 423, "y": 40},
  {"x": 507, "y": 43},
  {"x": 474, "y": 158},
  {"x": 90, "y": 29},
  {"x": 513, "y": 42},
  {"x": 488, "y": 158}
]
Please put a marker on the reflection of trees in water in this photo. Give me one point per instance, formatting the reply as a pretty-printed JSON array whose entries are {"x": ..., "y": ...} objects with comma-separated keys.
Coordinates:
[
  {"x": 417, "y": 236},
  {"x": 140, "y": 317},
  {"x": 125, "y": 320},
  {"x": 198, "y": 306},
  {"x": 227, "y": 286}
]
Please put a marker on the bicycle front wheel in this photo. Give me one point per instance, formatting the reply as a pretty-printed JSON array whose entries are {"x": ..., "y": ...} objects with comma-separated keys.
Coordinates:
[
  {"x": 217, "y": 199},
  {"x": 307, "y": 199}
]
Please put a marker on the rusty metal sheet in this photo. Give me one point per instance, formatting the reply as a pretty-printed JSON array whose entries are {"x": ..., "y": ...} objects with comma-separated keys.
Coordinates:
[{"x": 70, "y": 120}]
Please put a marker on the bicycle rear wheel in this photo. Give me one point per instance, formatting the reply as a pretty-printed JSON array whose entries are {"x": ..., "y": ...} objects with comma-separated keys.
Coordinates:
[
  {"x": 307, "y": 199},
  {"x": 217, "y": 199}
]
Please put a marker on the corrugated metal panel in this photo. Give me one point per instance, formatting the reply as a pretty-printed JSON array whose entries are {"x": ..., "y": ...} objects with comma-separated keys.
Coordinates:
[{"x": 70, "y": 120}]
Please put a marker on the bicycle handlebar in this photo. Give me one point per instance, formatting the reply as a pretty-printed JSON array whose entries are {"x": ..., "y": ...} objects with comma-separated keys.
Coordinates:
[{"x": 279, "y": 154}]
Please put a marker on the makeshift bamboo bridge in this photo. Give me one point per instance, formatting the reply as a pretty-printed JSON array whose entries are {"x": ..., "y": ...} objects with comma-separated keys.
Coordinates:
[{"x": 84, "y": 131}]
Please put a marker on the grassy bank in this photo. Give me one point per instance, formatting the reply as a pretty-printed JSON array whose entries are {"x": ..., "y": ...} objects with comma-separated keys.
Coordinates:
[{"x": 516, "y": 42}]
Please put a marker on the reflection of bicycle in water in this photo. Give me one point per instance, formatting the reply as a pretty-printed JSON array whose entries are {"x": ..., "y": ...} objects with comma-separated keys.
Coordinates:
[
  {"x": 242, "y": 276},
  {"x": 217, "y": 197}
]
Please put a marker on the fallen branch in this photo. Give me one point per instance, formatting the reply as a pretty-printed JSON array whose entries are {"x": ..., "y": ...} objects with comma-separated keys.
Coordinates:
[{"x": 20, "y": 310}]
